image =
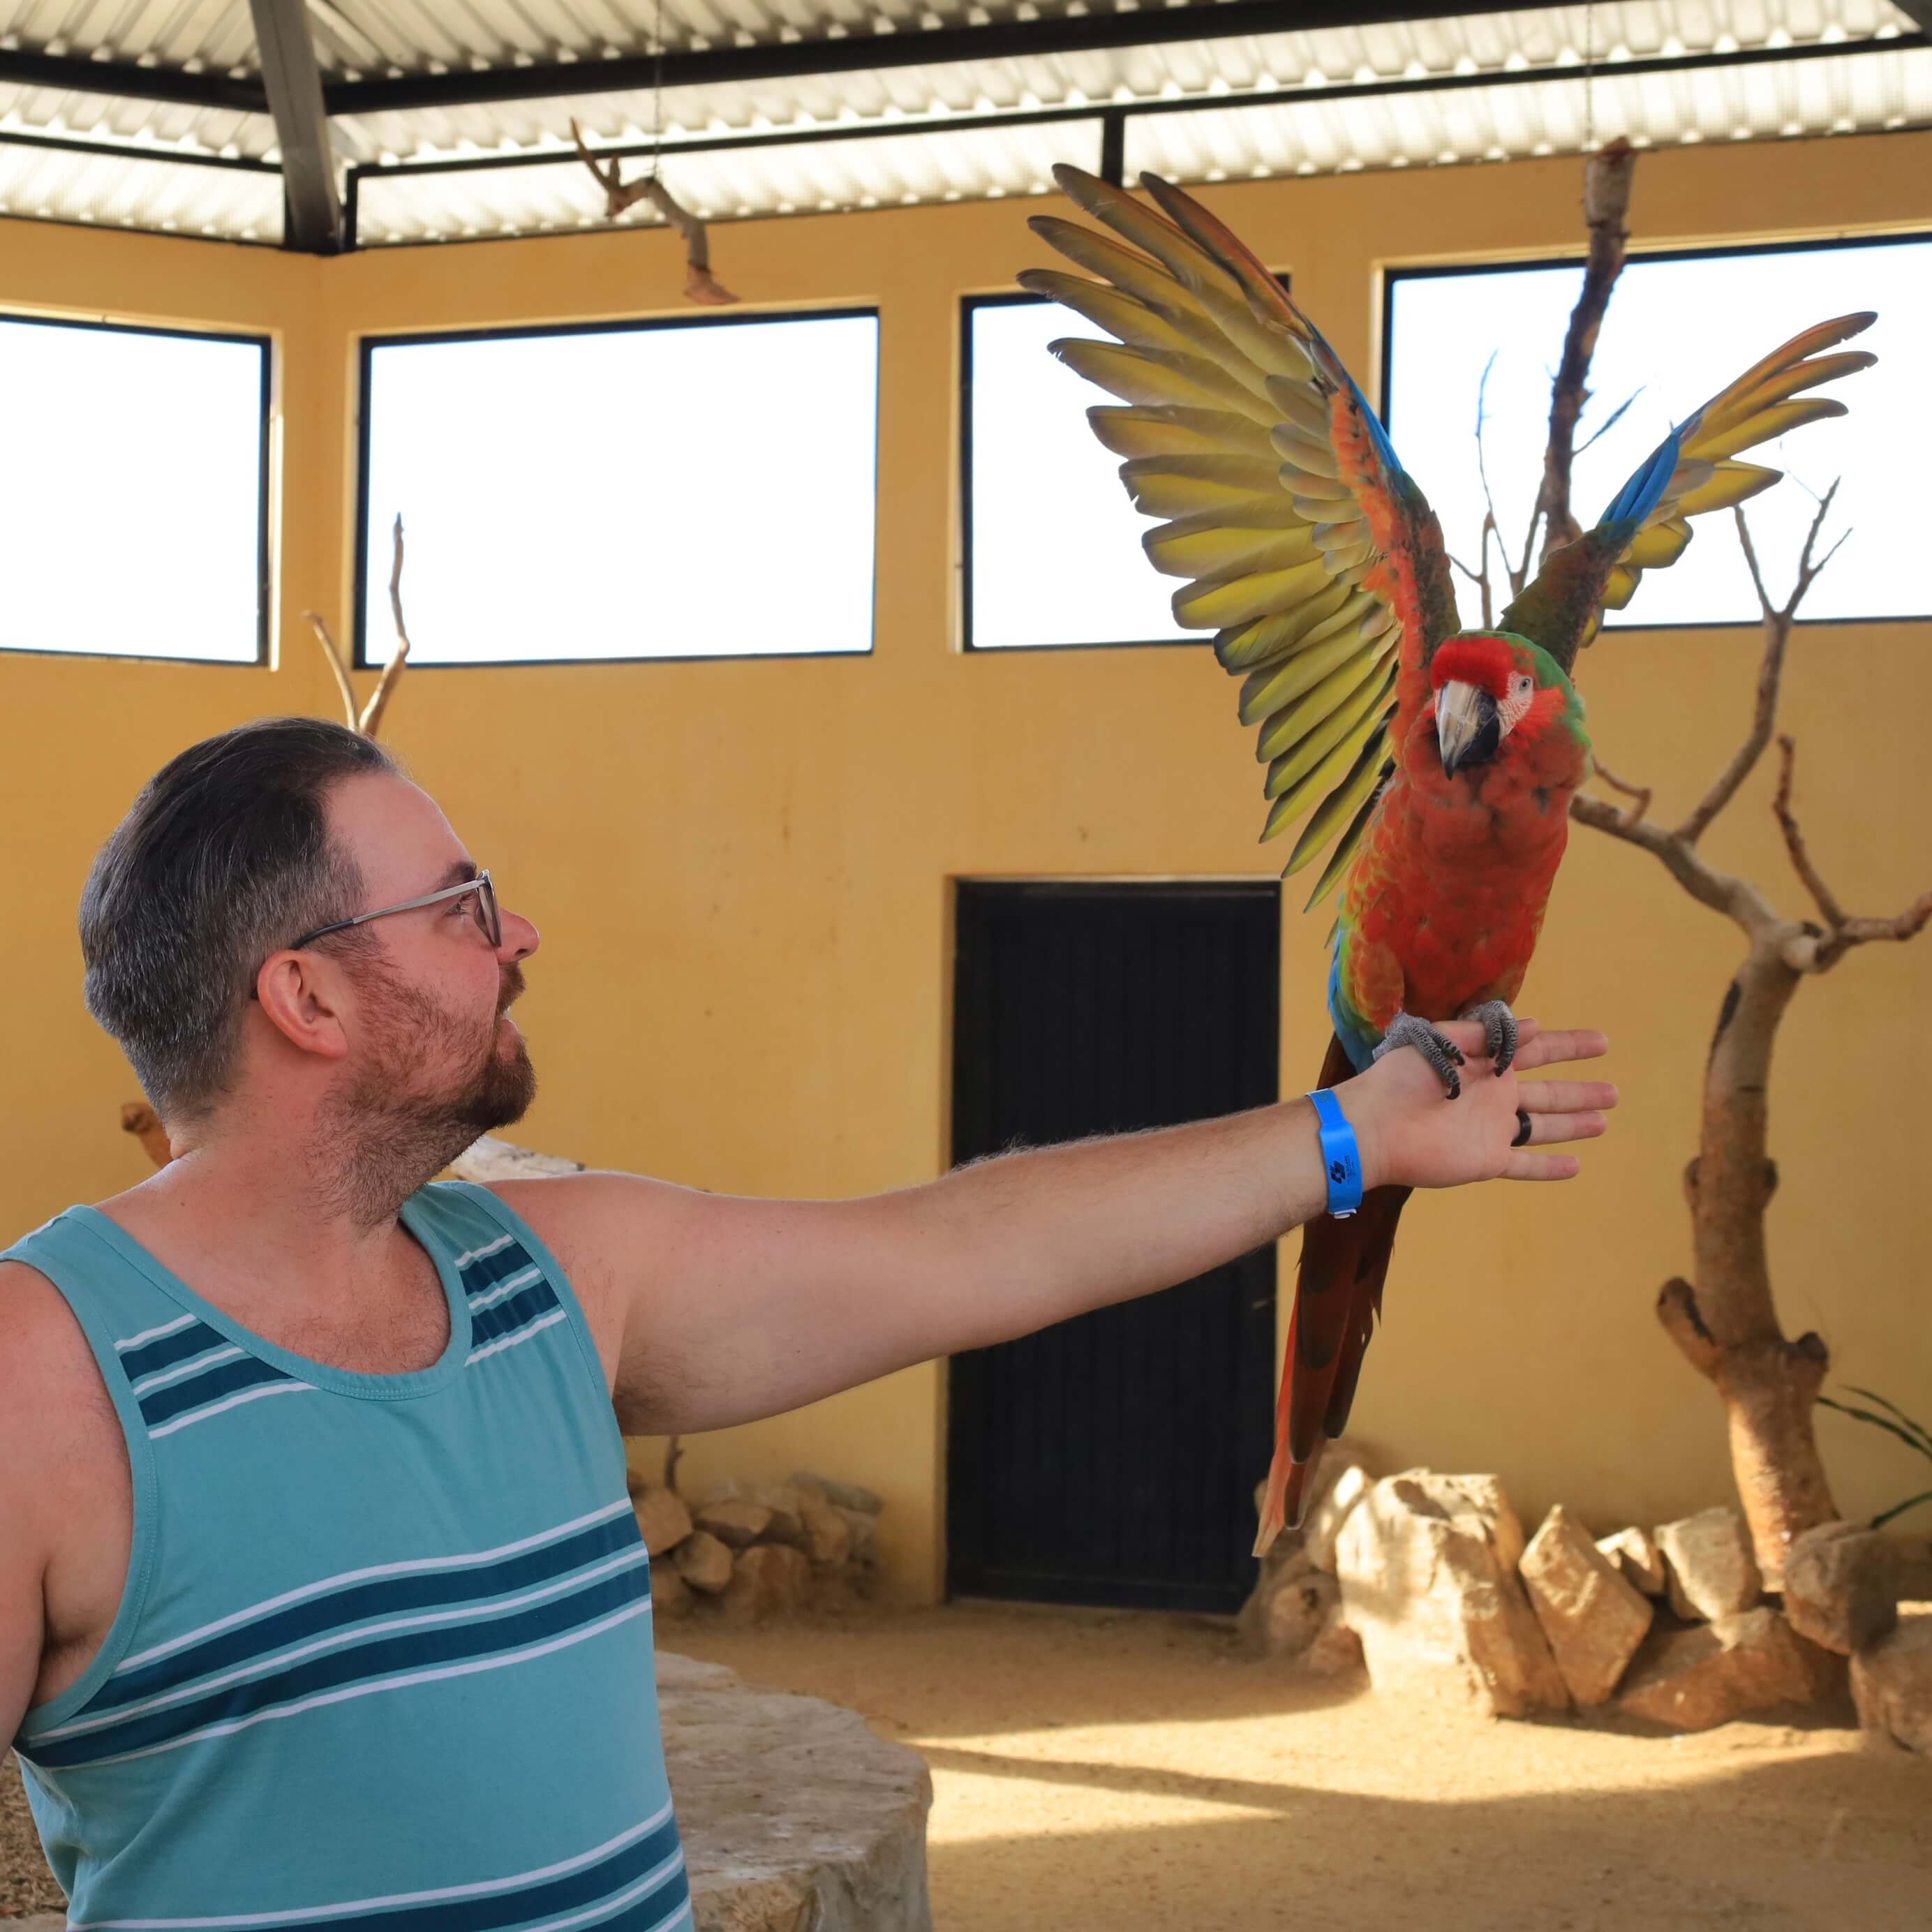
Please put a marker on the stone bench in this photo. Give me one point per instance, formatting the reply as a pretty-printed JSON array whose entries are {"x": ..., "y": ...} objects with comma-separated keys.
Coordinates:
[{"x": 795, "y": 1817}]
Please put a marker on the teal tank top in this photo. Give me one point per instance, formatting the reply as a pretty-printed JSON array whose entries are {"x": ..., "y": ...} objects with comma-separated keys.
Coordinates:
[{"x": 383, "y": 1659}]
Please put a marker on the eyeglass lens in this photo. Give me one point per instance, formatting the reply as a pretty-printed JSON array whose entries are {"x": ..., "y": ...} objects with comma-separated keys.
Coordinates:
[{"x": 487, "y": 917}]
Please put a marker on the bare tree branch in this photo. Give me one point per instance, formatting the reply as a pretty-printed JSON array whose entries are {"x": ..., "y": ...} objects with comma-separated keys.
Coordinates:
[
  {"x": 1642, "y": 793},
  {"x": 1610, "y": 421},
  {"x": 1794, "y": 840},
  {"x": 371, "y": 720},
  {"x": 700, "y": 284},
  {"x": 335, "y": 663},
  {"x": 1738, "y": 899},
  {"x": 1778, "y": 619},
  {"x": 1606, "y": 193}
]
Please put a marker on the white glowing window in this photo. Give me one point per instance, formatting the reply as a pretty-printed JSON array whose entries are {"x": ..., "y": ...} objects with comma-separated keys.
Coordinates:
[
  {"x": 1679, "y": 327},
  {"x": 133, "y": 492},
  {"x": 1053, "y": 546},
  {"x": 657, "y": 489}
]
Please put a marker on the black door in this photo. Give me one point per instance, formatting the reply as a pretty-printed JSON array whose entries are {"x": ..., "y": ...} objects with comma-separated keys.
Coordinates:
[{"x": 1112, "y": 1459}]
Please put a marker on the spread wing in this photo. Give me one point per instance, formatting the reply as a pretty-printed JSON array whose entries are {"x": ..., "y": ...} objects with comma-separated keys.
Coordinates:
[
  {"x": 1308, "y": 550},
  {"x": 1693, "y": 470}
]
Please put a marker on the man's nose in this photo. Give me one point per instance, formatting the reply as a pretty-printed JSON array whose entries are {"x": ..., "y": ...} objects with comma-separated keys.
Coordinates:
[{"x": 521, "y": 938}]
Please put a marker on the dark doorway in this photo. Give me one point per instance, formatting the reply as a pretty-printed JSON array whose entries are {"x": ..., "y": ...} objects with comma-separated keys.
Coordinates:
[{"x": 1112, "y": 1459}]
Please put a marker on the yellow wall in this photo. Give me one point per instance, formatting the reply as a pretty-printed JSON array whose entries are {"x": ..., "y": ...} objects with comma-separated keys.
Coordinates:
[{"x": 743, "y": 868}]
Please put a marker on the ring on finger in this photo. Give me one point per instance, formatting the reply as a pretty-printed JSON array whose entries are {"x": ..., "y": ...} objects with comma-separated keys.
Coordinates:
[{"x": 1522, "y": 1129}]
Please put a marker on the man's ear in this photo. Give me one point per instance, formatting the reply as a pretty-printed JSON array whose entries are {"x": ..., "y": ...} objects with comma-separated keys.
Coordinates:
[{"x": 303, "y": 997}]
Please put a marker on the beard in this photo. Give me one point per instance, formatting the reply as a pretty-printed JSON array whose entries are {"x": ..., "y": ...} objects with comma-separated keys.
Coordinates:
[{"x": 427, "y": 1086}]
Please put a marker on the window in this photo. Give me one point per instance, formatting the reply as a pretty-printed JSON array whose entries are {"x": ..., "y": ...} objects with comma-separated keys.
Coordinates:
[
  {"x": 1052, "y": 545},
  {"x": 134, "y": 519},
  {"x": 1679, "y": 327},
  {"x": 642, "y": 490}
]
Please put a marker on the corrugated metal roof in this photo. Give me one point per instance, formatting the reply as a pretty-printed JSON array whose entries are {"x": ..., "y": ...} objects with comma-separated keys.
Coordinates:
[{"x": 1481, "y": 86}]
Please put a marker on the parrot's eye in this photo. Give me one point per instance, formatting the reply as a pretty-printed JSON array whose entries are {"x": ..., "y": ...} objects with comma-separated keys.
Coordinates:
[{"x": 1522, "y": 685}]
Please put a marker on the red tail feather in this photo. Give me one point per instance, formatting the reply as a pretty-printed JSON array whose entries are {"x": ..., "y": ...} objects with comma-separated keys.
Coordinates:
[{"x": 1338, "y": 1295}]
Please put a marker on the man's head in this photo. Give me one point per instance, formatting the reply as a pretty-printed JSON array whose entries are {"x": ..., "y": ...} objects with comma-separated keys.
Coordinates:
[{"x": 393, "y": 1029}]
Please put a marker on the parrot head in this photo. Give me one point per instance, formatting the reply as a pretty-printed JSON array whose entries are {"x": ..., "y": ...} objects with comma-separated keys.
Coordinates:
[{"x": 1492, "y": 687}]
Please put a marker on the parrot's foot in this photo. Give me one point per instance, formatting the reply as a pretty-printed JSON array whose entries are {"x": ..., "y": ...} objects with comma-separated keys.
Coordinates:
[
  {"x": 1441, "y": 1053},
  {"x": 1499, "y": 1029}
]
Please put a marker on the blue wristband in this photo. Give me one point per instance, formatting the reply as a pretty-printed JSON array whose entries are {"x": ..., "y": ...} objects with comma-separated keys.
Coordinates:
[{"x": 1341, "y": 1158}]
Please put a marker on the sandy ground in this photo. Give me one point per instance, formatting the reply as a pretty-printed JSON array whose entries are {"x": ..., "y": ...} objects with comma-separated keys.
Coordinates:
[{"x": 1094, "y": 1770}]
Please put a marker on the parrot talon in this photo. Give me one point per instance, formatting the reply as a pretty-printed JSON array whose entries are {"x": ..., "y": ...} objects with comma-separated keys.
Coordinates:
[
  {"x": 1499, "y": 1030},
  {"x": 1440, "y": 1052}
]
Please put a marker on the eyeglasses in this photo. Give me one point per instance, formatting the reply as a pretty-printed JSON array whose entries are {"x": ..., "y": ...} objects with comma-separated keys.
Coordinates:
[{"x": 482, "y": 907}]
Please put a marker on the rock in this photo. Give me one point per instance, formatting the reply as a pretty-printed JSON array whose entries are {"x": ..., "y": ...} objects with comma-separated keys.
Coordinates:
[
  {"x": 1427, "y": 1568},
  {"x": 1638, "y": 1560},
  {"x": 662, "y": 1517},
  {"x": 1891, "y": 1682},
  {"x": 792, "y": 1812},
  {"x": 703, "y": 1561},
  {"x": 738, "y": 1522},
  {"x": 1288, "y": 1607},
  {"x": 863, "y": 1527},
  {"x": 828, "y": 1537},
  {"x": 787, "y": 1505},
  {"x": 1708, "y": 1564},
  {"x": 1594, "y": 1620},
  {"x": 1841, "y": 1586},
  {"x": 767, "y": 1580},
  {"x": 847, "y": 1496},
  {"x": 670, "y": 1595},
  {"x": 1337, "y": 1651},
  {"x": 1326, "y": 1518},
  {"x": 1694, "y": 1679}
]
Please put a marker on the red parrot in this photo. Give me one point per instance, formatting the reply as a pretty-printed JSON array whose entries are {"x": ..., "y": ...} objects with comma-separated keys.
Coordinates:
[{"x": 1444, "y": 760}]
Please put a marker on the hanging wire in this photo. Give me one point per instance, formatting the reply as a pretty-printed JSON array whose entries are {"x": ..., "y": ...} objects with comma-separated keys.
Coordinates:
[
  {"x": 1589, "y": 76},
  {"x": 657, "y": 92}
]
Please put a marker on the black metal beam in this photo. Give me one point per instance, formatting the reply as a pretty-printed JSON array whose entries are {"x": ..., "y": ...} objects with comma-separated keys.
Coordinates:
[
  {"x": 293, "y": 84},
  {"x": 721, "y": 67},
  {"x": 69, "y": 73}
]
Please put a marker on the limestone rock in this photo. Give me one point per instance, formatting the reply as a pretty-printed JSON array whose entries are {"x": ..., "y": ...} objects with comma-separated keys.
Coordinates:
[
  {"x": 1694, "y": 1679},
  {"x": 703, "y": 1561},
  {"x": 1325, "y": 1520},
  {"x": 1710, "y": 1570},
  {"x": 1841, "y": 1586},
  {"x": 1427, "y": 1568},
  {"x": 1337, "y": 1651},
  {"x": 793, "y": 1813},
  {"x": 863, "y": 1527},
  {"x": 786, "y": 1505},
  {"x": 1638, "y": 1560},
  {"x": 828, "y": 1537},
  {"x": 737, "y": 1521},
  {"x": 662, "y": 1517},
  {"x": 847, "y": 1496},
  {"x": 767, "y": 1580},
  {"x": 1891, "y": 1682},
  {"x": 670, "y": 1595},
  {"x": 1289, "y": 1609},
  {"x": 1594, "y": 1620}
]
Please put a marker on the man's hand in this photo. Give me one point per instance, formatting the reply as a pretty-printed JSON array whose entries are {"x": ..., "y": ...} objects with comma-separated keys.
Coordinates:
[{"x": 1411, "y": 1136}]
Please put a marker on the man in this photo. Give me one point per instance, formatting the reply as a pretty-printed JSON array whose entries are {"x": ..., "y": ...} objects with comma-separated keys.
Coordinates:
[{"x": 378, "y": 1655}]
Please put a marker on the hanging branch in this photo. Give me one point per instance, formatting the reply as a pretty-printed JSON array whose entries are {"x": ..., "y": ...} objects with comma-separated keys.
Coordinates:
[
  {"x": 370, "y": 718},
  {"x": 700, "y": 284},
  {"x": 1727, "y": 1326}
]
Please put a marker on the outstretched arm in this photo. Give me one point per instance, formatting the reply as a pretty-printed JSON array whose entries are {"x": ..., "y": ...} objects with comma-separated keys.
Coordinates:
[{"x": 713, "y": 1310}]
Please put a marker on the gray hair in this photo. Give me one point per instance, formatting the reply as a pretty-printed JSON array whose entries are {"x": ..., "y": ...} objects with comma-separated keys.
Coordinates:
[{"x": 224, "y": 858}]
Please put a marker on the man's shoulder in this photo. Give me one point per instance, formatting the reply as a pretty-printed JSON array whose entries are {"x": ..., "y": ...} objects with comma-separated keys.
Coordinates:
[{"x": 51, "y": 1392}]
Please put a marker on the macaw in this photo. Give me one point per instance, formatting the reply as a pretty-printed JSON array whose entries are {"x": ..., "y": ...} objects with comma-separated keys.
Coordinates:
[{"x": 1439, "y": 762}]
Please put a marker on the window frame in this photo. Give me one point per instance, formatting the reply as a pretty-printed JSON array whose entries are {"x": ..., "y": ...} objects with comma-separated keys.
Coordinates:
[
  {"x": 265, "y": 342},
  {"x": 1391, "y": 273},
  {"x": 367, "y": 345}
]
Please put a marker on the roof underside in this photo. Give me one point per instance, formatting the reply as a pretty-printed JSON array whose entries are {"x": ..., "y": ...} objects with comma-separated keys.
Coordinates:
[{"x": 452, "y": 120}]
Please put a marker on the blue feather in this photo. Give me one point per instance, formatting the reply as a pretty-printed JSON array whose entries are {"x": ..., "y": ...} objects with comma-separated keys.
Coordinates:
[
  {"x": 1359, "y": 1040},
  {"x": 1640, "y": 495}
]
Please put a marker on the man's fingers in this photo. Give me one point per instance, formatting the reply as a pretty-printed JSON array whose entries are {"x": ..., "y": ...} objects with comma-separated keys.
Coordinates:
[
  {"x": 1527, "y": 1166},
  {"x": 1582, "y": 1125},
  {"x": 1539, "y": 1048},
  {"x": 1567, "y": 1097}
]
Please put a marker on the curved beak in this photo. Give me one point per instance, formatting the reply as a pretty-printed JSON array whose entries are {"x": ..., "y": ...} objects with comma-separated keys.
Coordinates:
[{"x": 1467, "y": 729}]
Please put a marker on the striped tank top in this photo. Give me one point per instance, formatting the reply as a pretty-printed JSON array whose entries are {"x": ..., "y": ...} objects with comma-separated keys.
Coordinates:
[{"x": 383, "y": 1657}]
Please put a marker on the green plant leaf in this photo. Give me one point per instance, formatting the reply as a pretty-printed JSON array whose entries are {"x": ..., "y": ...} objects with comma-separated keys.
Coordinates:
[
  {"x": 1890, "y": 1427},
  {"x": 1917, "y": 1429},
  {"x": 1898, "y": 1509}
]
